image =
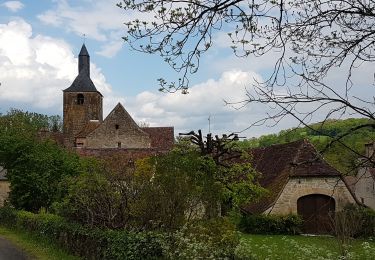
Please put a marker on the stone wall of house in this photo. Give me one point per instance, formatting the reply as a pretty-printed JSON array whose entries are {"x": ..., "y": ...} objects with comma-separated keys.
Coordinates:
[
  {"x": 4, "y": 190},
  {"x": 127, "y": 154},
  {"x": 298, "y": 187},
  {"x": 76, "y": 115},
  {"x": 365, "y": 187},
  {"x": 118, "y": 131}
]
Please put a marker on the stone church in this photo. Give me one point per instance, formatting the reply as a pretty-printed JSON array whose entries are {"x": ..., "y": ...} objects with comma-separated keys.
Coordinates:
[{"x": 85, "y": 127}]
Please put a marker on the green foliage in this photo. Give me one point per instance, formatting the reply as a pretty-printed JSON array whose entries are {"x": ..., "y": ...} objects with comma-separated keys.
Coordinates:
[
  {"x": 355, "y": 221},
  {"x": 321, "y": 134},
  {"x": 159, "y": 193},
  {"x": 35, "y": 168},
  {"x": 36, "y": 177},
  {"x": 84, "y": 241},
  {"x": 271, "y": 224},
  {"x": 210, "y": 239},
  {"x": 300, "y": 248},
  {"x": 101, "y": 196}
]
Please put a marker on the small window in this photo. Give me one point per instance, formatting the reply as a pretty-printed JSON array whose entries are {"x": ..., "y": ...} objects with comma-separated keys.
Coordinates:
[
  {"x": 80, "y": 99},
  {"x": 117, "y": 127},
  {"x": 362, "y": 200},
  {"x": 119, "y": 145}
]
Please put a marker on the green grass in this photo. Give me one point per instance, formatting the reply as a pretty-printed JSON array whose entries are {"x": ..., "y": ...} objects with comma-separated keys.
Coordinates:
[
  {"x": 35, "y": 247},
  {"x": 301, "y": 248}
]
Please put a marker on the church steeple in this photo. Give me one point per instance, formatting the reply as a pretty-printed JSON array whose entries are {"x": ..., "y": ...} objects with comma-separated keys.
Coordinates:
[{"x": 84, "y": 61}]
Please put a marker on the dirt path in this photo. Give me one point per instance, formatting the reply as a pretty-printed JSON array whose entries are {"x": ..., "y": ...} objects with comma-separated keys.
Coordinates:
[{"x": 9, "y": 251}]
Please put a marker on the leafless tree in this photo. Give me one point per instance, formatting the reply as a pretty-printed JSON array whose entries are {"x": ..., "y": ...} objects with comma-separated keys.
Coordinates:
[{"x": 310, "y": 39}]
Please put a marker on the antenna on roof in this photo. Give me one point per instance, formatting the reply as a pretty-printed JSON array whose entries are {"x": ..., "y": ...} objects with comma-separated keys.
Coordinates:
[{"x": 84, "y": 38}]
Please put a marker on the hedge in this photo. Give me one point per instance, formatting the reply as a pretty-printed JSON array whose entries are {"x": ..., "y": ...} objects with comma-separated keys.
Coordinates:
[
  {"x": 271, "y": 224},
  {"x": 85, "y": 241}
]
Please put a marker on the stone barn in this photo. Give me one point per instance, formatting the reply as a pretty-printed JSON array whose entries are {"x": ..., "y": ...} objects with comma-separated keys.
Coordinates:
[{"x": 301, "y": 182}]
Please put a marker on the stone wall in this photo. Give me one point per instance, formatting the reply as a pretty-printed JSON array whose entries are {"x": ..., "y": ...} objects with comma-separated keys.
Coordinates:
[
  {"x": 118, "y": 131},
  {"x": 127, "y": 154},
  {"x": 298, "y": 186},
  {"x": 4, "y": 190},
  {"x": 365, "y": 187},
  {"x": 76, "y": 116}
]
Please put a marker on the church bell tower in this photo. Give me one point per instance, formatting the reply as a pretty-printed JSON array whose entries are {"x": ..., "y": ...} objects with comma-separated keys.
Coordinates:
[{"x": 82, "y": 101}]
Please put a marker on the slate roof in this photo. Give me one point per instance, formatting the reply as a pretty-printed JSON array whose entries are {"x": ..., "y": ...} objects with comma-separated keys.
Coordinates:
[
  {"x": 278, "y": 163},
  {"x": 84, "y": 51},
  {"x": 82, "y": 83}
]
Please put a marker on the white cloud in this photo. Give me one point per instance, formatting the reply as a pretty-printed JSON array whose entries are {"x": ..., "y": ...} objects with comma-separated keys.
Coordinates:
[
  {"x": 35, "y": 69},
  {"x": 98, "y": 20},
  {"x": 13, "y": 6},
  {"x": 191, "y": 111},
  {"x": 111, "y": 49}
]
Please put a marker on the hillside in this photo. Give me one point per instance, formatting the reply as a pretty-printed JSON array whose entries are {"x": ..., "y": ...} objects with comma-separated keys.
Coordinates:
[{"x": 320, "y": 135}]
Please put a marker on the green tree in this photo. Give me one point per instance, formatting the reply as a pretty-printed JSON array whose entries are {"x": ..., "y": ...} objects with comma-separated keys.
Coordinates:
[
  {"x": 162, "y": 192},
  {"x": 35, "y": 167}
]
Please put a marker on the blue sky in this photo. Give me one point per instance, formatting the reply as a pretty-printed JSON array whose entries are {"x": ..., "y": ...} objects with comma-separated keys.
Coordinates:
[{"x": 40, "y": 41}]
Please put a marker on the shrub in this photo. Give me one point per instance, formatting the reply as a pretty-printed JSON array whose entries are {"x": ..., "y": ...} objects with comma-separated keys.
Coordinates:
[
  {"x": 83, "y": 241},
  {"x": 208, "y": 239},
  {"x": 355, "y": 221},
  {"x": 205, "y": 239},
  {"x": 270, "y": 224}
]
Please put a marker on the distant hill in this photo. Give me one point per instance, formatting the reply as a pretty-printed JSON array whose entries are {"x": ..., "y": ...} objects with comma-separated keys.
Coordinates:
[{"x": 339, "y": 156}]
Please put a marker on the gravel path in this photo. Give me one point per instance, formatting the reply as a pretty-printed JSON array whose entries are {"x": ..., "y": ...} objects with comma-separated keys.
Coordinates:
[{"x": 9, "y": 251}]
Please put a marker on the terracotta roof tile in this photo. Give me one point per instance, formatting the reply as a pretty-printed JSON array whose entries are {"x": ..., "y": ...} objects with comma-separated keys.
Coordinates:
[
  {"x": 88, "y": 128},
  {"x": 161, "y": 137}
]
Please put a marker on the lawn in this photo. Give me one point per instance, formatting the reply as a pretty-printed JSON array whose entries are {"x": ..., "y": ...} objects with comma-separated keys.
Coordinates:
[{"x": 301, "y": 247}]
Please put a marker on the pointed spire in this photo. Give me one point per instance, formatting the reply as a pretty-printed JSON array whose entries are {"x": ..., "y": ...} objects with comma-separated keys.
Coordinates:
[{"x": 84, "y": 61}]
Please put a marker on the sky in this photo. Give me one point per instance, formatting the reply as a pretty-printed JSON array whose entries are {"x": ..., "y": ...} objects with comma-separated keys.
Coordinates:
[{"x": 39, "y": 44}]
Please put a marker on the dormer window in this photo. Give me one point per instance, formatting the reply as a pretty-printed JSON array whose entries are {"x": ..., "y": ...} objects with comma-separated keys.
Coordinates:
[{"x": 80, "y": 99}]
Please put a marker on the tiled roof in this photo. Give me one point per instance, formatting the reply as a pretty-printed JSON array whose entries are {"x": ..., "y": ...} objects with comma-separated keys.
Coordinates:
[
  {"x": 277, "y": 163},
  {"x": 161, "y": 137},
  {"x": 88, "y": 128}
]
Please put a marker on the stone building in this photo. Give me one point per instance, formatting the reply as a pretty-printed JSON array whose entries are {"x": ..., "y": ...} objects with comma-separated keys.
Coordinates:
[
  {"x": 84, "y": 126},
  {"x": 364, "y": 183},
  {"x": 299, "y": 181}
]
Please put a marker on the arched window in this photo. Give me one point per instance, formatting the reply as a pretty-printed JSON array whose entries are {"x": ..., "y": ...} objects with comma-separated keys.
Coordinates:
[{"x": 80, "y": 99}]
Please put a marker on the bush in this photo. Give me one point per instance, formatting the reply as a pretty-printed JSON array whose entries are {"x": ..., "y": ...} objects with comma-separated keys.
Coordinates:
[
  {"x": 83, "y": 241},
  {"x": 271, "y": 224},
  {"x": 208, "y": 239},
  {"x": 355, "y": 221}
]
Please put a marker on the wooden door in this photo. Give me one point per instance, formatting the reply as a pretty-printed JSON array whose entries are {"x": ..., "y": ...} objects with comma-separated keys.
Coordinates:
[{"x": 317, "y": 211}]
